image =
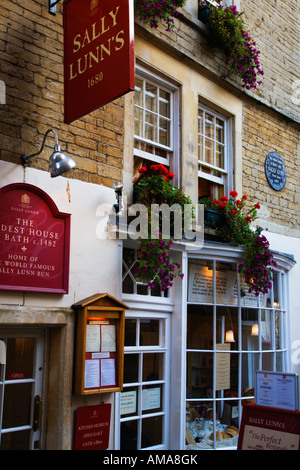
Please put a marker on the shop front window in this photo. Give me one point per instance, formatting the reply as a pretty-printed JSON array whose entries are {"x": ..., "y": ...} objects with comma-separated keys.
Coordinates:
[
  {"x": 143, "y": 401},
  {"x": 230, "y": 335}
]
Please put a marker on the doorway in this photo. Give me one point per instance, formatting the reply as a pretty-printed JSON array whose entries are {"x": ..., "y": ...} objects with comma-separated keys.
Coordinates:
[{"x": 21, "y": 389}]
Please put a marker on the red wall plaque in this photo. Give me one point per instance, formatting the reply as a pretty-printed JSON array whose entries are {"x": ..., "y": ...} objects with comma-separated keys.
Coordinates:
[
  {"x": 34, "y": 241},
  {"x": 98, "y": 54},
  {"x": 92, "y": 427}
]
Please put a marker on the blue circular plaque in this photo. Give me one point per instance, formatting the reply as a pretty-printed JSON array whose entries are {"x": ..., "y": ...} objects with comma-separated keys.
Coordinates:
[{"x": 275, "y": 171}]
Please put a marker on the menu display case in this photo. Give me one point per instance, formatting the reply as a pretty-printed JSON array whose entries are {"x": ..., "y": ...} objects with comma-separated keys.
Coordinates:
[{"x": 99, "y": 345}]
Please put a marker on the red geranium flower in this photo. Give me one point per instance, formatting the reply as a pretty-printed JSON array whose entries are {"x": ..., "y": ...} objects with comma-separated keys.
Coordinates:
[{"x": 233, "y": 193}]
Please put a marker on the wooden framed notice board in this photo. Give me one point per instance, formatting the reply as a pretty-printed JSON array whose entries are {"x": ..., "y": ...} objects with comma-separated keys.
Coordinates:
[{"x": 99, "y": 353}]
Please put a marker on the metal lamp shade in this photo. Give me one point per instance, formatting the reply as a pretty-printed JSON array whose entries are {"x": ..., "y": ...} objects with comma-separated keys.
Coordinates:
[{"x": 59, "y": 163}]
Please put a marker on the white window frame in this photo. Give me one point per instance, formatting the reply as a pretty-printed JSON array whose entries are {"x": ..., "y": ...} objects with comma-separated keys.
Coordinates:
[
  {"x": 162, "y": 348},
  {"x": 173, "y": 149},
  {"x": 233, "y": 255},
  {"x": 36, "y": 380},
  {"x": 226, "y": 180}
]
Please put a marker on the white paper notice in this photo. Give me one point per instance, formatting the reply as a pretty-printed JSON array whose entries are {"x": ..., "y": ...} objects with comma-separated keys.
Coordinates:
[
  {"x": 108, "y": 338},
  {"x": 108, "y": 372},
  {"x": 92, "y": 376},
  {"x": 223, "y": 367},
  {"x": 92, "y": 338},
  {"x": 128, "y": 402},
  {"x": 151, "y": 398}
]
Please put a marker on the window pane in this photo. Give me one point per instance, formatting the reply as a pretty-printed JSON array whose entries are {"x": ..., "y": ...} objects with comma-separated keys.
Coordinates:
[
  {"x": 200, "y": 121},
  {"x": 129, "y": 431},
  {"x": 199, "y": 327},
  {"x": 20, "y": 357},
  {"x": 267, "y": 361},
  {"x": 152, "y": 399},
  {"x": 164, "y": 103},
  {"x": 227, "y": 327},
  {"x": 226, "y": 283},
  {"x": 151, "y": 97},
  {"x": 15, "y": 440},
  {"x": 127, "y": 286},
  {"x": 130, "y": 332},
  {"x": 220, "y": 130},
  {"x": 250, "y": 338},
  {"x": 250, "y": 364},
  {"x": 266, "y": 327},
  {"x": 129, "y": 402},
  {"x": 209, "y": 152},
  {"x": 17, "y": 405},
  {"x": 152, "y": 366},
  {"x": 131, "y": 368},
  {"x": 276, "y": 280},
  {"x": 209, "y": 126},
  {"x": 164, "y": 132},
  {"x": 199, "y": 374},
  {"x": 138, "y": 122},
  {"x": 220, "y": 156},
  {"x": 138, "y": 96},
  {"x": 152, "y": 431},
  {"x": 150, "y": 126},
  {"x": 200, "y": 148},
  {"x": 279, "y": 337},
  {"x": 149, "y": 332}
]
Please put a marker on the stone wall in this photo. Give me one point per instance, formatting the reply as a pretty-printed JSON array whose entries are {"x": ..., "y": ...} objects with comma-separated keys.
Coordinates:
[
  {"x": 265, "y": 131},
  {"x": 273, "y": 24},
  {"x": 31, "y": 66}
]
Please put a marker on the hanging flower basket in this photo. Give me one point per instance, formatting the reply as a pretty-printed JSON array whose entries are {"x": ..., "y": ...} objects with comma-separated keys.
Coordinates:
[
  {"x": 156, "y": 11},
  {"x": 228, "y": 33},
  {"x": 155, "y": 265},
  {"x": 258, "y": 263}
]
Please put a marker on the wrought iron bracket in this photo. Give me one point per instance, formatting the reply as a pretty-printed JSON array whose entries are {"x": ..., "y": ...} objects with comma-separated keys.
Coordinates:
[{"x": 52, "y": 6}]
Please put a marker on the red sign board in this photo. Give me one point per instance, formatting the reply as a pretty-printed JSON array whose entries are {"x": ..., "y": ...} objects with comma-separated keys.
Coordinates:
[
  {"x": 98, "y": 54},
  {"x": 92, "y": 427},
  {"x": 34, "y": 241},
  {"x": 264, "y": 428}
]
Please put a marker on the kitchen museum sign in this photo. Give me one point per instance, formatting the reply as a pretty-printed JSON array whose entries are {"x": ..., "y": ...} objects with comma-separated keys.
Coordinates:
[
  {"x": 34, "y": 241},
  {"x": 98, "y": 54}
]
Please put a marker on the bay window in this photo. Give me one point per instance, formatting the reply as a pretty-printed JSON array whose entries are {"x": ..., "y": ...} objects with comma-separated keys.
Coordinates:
[{"x": 230, "y": 335}]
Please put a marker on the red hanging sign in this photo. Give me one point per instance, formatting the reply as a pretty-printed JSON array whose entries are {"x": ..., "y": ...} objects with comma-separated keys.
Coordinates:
[
  {"x": 98, "y": 54},
  {"x": 34, "y": 241}
]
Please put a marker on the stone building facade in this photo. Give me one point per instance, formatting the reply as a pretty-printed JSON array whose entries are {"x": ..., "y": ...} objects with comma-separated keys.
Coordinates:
[{"x": 183, "y": 64}]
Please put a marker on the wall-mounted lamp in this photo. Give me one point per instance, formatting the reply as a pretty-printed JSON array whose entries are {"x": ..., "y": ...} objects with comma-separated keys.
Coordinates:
[
  {"x": 52, "y": 6},
  {"x": 59, "y": 163},
  {"x": 118, "y": 187},
  {"x": 254, "y": 330},
  {"x": 229, "y": 337}
]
